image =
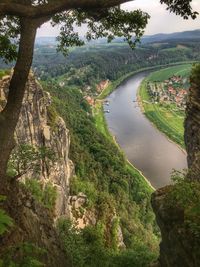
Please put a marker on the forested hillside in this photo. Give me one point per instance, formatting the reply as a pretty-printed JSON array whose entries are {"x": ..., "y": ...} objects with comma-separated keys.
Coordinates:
[
  {"x": 113, "y": 190},
  {"x": 93, "y": 63}
]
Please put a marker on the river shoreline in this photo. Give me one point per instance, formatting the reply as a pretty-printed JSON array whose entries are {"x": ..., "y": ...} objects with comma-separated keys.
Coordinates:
[
  {"x": 158, "y": 115},
  {"x": 122, "y": 97},
  {"x": 104, "y": 129},
  {"x": 113, "y": 86},
  {"x": 139, "y": 102}
]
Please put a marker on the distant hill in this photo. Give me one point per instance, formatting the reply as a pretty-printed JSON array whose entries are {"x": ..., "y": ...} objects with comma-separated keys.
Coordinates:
[
  {"x": 184, "y": 36},
  {"x": 45, "y": 40}
]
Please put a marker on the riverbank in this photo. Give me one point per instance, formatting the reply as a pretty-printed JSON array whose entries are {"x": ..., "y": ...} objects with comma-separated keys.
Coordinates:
[
  {"x": 113, "y": 85},
  {"x": 164, "y": 117},
  {"x": 101, "y": 125}
]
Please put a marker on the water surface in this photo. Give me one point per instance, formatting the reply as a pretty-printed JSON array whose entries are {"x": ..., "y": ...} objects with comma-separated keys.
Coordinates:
[{"x": 145, "y": 147}]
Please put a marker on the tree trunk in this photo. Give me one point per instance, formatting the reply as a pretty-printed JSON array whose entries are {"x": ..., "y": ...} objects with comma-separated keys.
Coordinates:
[{"x": 10, "y": 115}]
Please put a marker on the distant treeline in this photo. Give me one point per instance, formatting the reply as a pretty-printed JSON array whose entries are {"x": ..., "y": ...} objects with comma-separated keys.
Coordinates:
[{"x": 110, "y": 61}]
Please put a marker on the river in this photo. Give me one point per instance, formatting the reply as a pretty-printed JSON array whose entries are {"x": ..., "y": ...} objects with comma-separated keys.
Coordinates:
[{"x": 145, "y": 147}]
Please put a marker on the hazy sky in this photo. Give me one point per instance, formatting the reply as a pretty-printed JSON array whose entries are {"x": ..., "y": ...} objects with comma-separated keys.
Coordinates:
[{"x": 161, "y": 20}]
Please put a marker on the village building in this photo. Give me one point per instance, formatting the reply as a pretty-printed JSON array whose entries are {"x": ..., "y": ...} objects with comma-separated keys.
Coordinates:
[
  {"x": 170, "y": 91},
  {"x": 102, "y": 85},
  {"x": 90, "y": 100}
]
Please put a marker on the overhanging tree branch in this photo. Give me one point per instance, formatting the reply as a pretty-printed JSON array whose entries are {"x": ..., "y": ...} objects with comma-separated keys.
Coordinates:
[
  {"x": 15, "y": 9},
  {"x": 181, "y": 7}
]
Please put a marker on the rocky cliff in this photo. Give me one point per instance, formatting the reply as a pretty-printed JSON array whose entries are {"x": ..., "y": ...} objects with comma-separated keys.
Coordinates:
[
  {"x": 179, "y": 246},
  {"x": 40, "y": 127},
  {"x": 33, "y": 223},
  {"x": 192, "y": 125},
  {"x": 179, "y": 224},
  {"x": 37, "y": 126}
]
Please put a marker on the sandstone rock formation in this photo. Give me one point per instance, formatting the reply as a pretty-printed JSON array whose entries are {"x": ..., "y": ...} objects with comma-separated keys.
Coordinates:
[
  {"x": 35, "y": 127},
  {"x": 192, "y": 129},
  {"x": 179, "y": 246},
  {"x": 33, "y": 224},
  {"x": 39, "y": 127}
]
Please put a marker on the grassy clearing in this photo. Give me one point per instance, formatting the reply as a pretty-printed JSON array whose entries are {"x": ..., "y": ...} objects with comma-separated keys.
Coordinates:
[
  {"x": 166, "y": 118},
  {"x": 100, "y": 120},
  {"x": 144, "y": 183}
]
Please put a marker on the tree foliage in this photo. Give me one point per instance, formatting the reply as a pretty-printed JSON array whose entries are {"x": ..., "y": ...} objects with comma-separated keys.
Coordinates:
[
  {"x": 181, "y": 7},
  {"x": 23, "y": 255},
  {"x": 26, "y": 158},
  {"x": 185, "y": 195},
  {"x": 45, "y": 194},
  {"x": 5, "y": 221},
  {"x": 103, "y": 20},
  {"x": 110, "y": 23},
  {"x": 87, "y": 248}
]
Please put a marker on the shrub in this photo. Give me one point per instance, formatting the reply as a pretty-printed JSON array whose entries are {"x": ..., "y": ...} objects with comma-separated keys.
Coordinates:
[
  {"x": 185, "y": 194},
  {"x": 46, "y": 194},
  {"x": 23, "y": 255},
  {"x": 26, "y": 158},
  {"x": 5, "y": 221}
]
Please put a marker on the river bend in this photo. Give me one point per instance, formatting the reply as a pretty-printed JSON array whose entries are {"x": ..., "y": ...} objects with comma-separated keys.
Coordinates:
[{"x": 145, "y": 147}]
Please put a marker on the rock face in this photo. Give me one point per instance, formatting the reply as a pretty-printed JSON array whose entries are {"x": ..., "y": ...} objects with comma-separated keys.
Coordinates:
[
  {"x": 179, "y": 246},
  {"x": 33, "y": 224},
  {"x": 78, "y": 212},
  {"x": 38, "y": 127},
  {"x": 192, "y": 128}
]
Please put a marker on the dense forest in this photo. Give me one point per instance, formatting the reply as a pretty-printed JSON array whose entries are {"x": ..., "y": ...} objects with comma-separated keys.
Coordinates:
[{"x": 93, "y": 63}]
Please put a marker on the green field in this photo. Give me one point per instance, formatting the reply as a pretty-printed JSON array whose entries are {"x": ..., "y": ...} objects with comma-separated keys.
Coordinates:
[
  {"x": 167, "y": 118},
  {"x": 163, "y": 74}
]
